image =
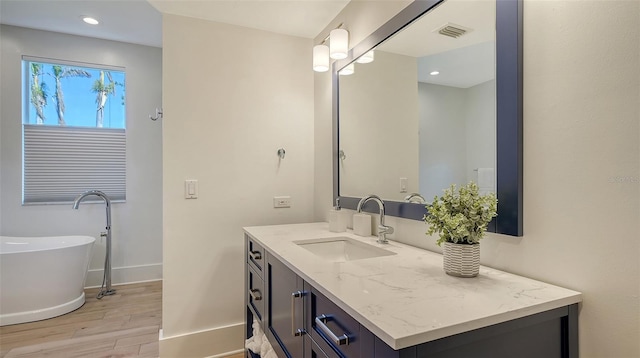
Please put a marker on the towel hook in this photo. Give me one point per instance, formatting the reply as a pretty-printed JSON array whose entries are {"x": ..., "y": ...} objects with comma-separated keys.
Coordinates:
[
  {"x": 158, "y": 115},
  {"x": 281, "y": 153}
]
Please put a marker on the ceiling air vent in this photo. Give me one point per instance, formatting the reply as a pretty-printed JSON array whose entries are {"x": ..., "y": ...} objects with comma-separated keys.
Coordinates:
[{"x": 452, "y": 30}]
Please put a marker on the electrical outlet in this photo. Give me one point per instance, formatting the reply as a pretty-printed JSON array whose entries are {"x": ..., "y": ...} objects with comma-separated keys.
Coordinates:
[{"x": 281, "y": 201}]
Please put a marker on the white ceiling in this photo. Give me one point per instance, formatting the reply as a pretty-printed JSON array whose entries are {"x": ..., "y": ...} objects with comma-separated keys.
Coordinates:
[
  {"x": 140, "y": 22},
  {"x": 302, "y": 18},
  {"x": 463, "y": 62}
]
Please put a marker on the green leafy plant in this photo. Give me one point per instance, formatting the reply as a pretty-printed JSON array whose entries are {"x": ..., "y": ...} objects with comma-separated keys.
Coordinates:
[{"x": 461, "y": 216}]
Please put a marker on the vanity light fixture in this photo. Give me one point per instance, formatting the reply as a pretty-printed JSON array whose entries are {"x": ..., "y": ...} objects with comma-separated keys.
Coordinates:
[
  {"x": 348, "y": 70},
  {"x": 339, "y": 44},
  {"x": 90, "y": 20},
  {"x": 338, "y": 49},
  {"x": 321, "y": 58},
  {"x": 366, "y": 58},
  {"x": 434, "y": 73}
]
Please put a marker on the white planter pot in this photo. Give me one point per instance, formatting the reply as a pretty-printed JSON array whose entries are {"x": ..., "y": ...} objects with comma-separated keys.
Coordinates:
[{"x": 461, "y": 260}]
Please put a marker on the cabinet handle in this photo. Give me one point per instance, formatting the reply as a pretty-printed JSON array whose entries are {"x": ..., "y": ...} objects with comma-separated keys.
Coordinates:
[
  {"x": 256, "y": 255},
  {"x": 340, "y": 341},
  {"x": 295, "y": 332},
  {"x": 255, "y": 294}
]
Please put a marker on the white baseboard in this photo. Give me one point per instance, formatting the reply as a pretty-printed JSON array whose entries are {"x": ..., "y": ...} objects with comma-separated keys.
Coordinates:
[
  {"x": 126, "y": 274},
  {"x": 228, "y": 354},
  {"x": 215, "y": 342}
]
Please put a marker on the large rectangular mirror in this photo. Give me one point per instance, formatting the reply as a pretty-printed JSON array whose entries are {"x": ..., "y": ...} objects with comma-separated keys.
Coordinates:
[{"x": 440, "y": 103}]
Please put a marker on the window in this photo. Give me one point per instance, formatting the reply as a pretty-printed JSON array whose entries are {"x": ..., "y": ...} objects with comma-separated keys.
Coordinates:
[{"x": 74, "y": 136}]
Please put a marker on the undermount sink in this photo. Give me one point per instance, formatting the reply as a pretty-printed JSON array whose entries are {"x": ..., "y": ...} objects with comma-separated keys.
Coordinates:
[{"x": 341, "y": 249}]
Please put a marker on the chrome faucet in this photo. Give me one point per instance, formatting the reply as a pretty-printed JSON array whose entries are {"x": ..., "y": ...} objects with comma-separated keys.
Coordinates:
[
  {"x": 104, "y": 291},
  {"x": 415, "y": 198},
  {"x": 383, "y": 229}
]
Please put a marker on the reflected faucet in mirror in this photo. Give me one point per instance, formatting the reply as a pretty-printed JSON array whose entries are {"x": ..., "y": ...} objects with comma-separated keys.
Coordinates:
[
  {"x": 415, "y": 198},
  {"x": 435, "y": 129},
  {"x": 383, "y": 229}
]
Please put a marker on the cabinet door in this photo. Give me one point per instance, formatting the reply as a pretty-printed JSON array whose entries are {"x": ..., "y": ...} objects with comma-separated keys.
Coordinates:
[{"x": 285, "y": 306}]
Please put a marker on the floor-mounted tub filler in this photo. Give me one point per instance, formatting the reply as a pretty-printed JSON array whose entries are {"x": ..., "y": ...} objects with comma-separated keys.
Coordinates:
[
  {"x": 42, "y": 277},
  {"x": 105, "y": 289}
]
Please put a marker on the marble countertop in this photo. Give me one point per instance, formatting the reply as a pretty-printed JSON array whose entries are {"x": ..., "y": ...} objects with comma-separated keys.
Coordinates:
[{"x": 406, "y": 299}]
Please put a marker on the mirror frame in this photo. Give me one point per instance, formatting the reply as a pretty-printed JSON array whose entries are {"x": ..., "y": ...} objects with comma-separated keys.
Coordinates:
[{"x": 509, "y": 149}]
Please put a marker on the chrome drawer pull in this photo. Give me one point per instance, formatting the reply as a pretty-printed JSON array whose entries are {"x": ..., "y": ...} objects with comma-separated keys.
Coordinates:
[
  {"x": 256, "y": 255},
  {"x": 255, "y": 294},
  {"x": 295, "y": 332},
  {"x": 340, "y": 341}
]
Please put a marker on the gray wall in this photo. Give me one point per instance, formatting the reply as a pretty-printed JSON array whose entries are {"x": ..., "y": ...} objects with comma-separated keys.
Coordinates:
[
  {"x": 136, "y": 224},
  {"x": 457, "y": 134},
  {"x": 379, "y": 119},
  {"x": 443, "y": 140}
]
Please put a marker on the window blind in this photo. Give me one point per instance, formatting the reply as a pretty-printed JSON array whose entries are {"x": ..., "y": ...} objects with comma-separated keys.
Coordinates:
[{"x": 62, "y": 162}]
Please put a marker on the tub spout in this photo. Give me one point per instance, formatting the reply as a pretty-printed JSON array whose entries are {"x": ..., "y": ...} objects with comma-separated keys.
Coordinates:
[{"x": 106, "y": 282}]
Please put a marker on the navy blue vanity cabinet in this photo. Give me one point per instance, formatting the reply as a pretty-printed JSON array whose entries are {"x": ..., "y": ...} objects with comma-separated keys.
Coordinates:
[
  {"x": 284, "y": 324},
  {"x": 255, "y": 292},
  {"x": 301, "y": 322},
  {"x": 254, "y": 297},
  {"x": 329, "y": 324},
  {"x": 254, "y": 279},
  {"x": 254, "y": 254},
  {"x": 548, "y": 334},
  {"x": 313, "y": 350}
]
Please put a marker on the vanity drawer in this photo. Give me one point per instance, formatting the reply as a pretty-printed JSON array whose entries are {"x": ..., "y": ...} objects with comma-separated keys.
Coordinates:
[
  {"x": 255, "y": 292},
  {"x": 313, "y": 349},
  {"x": 254, "y": 255},
  {"x": 330, "y": 325}
]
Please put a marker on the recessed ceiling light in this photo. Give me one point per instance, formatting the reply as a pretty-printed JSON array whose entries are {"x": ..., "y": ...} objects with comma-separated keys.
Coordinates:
[
  {"x": 90, "y": 20},
  {"x": 434, "y": 73}
]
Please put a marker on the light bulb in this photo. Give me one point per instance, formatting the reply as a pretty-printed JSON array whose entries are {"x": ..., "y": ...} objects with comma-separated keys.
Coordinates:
[
  {"x": 339, "y": 44},
  {"x": 366, "y": 58},
  {"x": 321, "y": 58},
  {"x": 348, "y": 70}
]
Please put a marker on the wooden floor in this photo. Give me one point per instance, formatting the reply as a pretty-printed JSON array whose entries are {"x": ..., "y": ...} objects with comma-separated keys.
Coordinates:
[{"x": 123, "y": 325}]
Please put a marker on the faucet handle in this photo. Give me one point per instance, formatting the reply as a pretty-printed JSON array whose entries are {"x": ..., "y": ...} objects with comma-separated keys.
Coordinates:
[{"x": 384, "y": 229}]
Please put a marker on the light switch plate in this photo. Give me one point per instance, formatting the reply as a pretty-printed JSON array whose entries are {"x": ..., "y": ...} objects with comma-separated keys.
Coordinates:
[
  {"x": 403, "y": 185},
  {"x": 191, "y": 189}
]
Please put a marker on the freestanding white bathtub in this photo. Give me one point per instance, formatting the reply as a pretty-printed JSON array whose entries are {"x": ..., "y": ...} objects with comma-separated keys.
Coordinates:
[{"x": 42, "y": 277}]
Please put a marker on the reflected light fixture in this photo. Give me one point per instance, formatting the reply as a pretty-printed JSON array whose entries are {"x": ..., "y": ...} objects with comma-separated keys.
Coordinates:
[
  {"x": 338, "y": 44},
  {"x": 321, "y": 58},
  {"x": 90, "y": 20},
  {"x": 366, "y": 58},
  {"x": 434, "y": 73},
  {"x": 348, "y": 70}
]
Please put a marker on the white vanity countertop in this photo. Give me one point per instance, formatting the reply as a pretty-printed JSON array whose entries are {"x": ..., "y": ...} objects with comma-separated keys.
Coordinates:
[{"x": 407, "y": 299}]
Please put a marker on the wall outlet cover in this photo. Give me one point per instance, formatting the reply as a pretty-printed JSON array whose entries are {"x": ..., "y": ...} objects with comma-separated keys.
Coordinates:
[{"x": 281, "y": 201}]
